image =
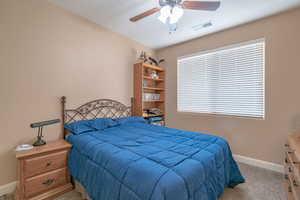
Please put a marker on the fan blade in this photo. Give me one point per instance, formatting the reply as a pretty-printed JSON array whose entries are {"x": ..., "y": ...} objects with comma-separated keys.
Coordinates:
[
  {"x": 145, "y": 14},
  {"x": 201, "y": 5}
]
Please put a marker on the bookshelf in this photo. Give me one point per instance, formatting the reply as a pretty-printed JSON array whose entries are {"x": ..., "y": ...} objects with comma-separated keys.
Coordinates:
[{"x": 149, "y": 92}]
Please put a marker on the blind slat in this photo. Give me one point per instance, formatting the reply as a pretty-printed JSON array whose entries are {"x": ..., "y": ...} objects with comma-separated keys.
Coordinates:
[{"x": 226, "y": 81}]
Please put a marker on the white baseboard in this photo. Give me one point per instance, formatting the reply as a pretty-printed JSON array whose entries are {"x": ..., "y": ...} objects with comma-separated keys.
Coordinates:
[
  {"x": 259, "y": 163},
  {"x": 8, "y": 188}
]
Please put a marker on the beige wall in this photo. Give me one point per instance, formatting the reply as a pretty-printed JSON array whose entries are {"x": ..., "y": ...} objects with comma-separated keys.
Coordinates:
[
  {"x": 47, "y": 52},
  {"x": 260, "y": 139}
]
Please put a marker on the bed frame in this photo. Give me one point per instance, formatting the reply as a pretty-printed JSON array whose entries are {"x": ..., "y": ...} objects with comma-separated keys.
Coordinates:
[{"x": 94, "y": 109}]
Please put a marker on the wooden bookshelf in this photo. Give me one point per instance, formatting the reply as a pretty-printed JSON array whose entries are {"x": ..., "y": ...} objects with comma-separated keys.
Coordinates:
[{"x": 145, "y": 84}]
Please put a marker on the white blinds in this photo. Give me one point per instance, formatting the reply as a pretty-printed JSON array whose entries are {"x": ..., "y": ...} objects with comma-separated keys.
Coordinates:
[{"x": 227, "y": 81}]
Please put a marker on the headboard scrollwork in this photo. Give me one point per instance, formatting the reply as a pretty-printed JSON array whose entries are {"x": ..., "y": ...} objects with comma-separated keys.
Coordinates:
[{"x": 94, "y": 109}]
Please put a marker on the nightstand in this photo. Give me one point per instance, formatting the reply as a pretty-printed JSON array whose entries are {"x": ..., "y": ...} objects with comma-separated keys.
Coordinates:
[{"x": 43, "y": 172}]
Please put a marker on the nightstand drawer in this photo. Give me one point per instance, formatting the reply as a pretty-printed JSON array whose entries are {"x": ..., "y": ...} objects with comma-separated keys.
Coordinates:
[
  {"x": 44, "y": 182},
  {"x": 41, "y": 164}
]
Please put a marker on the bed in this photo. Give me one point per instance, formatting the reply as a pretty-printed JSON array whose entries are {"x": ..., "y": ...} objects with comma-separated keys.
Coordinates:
[{"x": 129, "y": 159}]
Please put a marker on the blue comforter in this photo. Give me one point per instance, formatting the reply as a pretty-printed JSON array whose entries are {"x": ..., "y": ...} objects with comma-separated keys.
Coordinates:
[{"x": 138, "y": 161}]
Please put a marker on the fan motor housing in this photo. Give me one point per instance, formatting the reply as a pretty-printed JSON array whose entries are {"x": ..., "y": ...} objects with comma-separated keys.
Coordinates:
[{"x": 171, "y": 3}]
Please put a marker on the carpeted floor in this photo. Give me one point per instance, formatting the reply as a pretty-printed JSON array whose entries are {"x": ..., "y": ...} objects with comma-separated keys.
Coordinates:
[{"x": 261, "y": 185}]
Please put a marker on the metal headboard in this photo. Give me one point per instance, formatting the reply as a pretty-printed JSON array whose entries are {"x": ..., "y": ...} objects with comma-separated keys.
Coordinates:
[{"x": 94, "y": 109}]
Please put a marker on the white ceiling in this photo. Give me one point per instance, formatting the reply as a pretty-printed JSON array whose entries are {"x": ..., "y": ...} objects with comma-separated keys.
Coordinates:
[{"x": 115, "y": 14}]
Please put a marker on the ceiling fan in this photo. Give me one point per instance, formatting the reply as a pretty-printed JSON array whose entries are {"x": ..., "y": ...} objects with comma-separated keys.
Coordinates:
[{"x": 172, "y": 10}]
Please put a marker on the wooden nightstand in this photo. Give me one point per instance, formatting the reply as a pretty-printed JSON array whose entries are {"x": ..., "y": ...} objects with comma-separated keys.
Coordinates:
[{"x": 43, "y": 172}]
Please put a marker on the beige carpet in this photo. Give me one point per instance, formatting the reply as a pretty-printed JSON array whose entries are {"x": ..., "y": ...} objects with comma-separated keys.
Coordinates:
[{"x": 261, "y": 185}]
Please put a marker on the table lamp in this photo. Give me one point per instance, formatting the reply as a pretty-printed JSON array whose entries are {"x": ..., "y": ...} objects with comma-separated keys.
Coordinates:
[{"x": 40, "y": 125}]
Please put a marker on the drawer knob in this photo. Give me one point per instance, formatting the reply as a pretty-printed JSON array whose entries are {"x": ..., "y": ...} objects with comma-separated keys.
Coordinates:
[
  {"x": 286, "y": 160},
  {"x": 49, "y": 164},
  {"x": 48, "y": 181},
  {"x": 295, "y": 183},
  {"x": 286, "y": 176},
  {"x": 286, "y": 145}
]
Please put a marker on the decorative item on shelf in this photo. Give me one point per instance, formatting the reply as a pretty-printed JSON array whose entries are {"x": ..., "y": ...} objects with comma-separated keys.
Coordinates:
[
  {"x": 148, "y": 71},
  {"x": 161, "y": 61},
  {"x": 147, "y": 96},
  {"x": 147, "y": 59},
  {"x": 143, "y": 57},
  {"x": 40, "y": 125},
  {"x": 155, "y": 62},
  {"x": 145, "y": 112},
  {"x": 159, "y": 123},
  {"x": 156, "y": 97},
  {"x": 154, "y": 75},
  {"x": 151, "y": 97},
  {"x": 145, "y": 83},
  {"x": 155, "y": 119},
  {"x": 155, "y": 111}
]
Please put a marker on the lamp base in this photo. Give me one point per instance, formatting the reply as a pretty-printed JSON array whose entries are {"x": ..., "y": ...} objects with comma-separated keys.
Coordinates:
[{"x": 39, "y": 142}]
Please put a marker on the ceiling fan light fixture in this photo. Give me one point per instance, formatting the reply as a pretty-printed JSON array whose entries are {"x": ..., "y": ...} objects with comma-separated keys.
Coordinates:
[
  {"x": 170, "y": 14},
  {"x": 165, "y": 12},
  {"x": 163, "y": 19},
  {"x": 176, "y": 14}
]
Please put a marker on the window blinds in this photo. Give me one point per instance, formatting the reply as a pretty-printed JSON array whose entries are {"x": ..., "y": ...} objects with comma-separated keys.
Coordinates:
[{"x": 228, "y": 81}]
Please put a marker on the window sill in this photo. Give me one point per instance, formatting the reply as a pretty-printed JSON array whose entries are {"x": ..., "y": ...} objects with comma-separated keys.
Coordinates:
[{"x": 196, "y": 114}]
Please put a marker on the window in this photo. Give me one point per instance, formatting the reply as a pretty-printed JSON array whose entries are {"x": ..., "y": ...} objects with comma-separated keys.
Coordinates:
[{"x": 227, "y": 81}]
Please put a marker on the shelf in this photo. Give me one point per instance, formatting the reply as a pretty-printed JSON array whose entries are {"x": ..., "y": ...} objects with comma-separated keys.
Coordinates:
[
  {"x": 153, "y": 79},
  {"x": 152, "y": 115},
  {"x": 157, "y": 68},
  {"x": 154, "y": 101},
  {"x": 151, "y": 88}
]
